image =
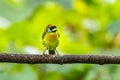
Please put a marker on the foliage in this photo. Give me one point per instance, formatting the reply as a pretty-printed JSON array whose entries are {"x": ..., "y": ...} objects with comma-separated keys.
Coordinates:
[{"x": 85, "y": 26}]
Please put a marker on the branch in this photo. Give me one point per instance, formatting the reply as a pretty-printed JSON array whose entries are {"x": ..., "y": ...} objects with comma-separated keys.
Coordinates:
[{"x": 58, "y": 59}]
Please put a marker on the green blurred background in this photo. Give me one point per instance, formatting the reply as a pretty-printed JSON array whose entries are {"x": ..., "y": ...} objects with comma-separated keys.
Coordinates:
[{"x": 85, "y": 27}]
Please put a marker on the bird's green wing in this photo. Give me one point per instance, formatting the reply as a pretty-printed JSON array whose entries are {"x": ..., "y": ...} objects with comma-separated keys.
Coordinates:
[
  {"x": 58, "y": 35},
  {"x": 43, "y": 34}
]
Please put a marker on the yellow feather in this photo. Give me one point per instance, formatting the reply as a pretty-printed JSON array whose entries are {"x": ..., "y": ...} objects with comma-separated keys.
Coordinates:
[{"x": 51, "y": 41}]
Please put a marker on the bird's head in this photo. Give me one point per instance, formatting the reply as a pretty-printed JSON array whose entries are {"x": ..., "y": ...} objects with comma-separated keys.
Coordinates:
[{"x": 51, "y": 28}]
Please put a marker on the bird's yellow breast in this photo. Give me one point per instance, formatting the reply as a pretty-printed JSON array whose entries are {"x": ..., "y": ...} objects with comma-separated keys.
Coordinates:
[
  {"x": 51, "y": 36},
  {"x": 51, "y": 40}
]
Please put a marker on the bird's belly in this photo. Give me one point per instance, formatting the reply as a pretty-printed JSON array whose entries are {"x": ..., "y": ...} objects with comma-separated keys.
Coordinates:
[{"x": 51, "y": 42}]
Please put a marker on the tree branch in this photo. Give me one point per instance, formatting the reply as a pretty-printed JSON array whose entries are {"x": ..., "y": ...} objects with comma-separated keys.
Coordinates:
[{"x": 59, "y": 59}]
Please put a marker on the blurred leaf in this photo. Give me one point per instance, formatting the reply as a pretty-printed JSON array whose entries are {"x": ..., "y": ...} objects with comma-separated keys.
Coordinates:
[{"x": 114, "y": 27}]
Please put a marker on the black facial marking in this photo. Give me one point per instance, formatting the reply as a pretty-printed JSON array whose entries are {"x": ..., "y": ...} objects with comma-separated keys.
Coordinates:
[{"x": 52, "y": 27}]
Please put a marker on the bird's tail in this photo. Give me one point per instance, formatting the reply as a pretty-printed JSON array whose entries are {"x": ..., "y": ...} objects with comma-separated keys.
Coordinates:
[{"x": 51, "y": 52}]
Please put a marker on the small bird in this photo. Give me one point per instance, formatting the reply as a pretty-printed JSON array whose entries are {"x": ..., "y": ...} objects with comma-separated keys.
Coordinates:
[{"x": 50, "y": 39}]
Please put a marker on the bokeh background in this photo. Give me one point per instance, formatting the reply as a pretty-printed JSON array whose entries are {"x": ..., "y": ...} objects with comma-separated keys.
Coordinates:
[{"x": 85, "y": 27}]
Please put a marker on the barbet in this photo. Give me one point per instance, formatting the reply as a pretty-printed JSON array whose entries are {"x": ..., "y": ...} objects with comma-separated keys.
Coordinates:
[{"x": 50, "y": 39}]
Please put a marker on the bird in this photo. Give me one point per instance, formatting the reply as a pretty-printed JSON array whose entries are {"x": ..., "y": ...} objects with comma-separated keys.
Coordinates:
[{"x": 50, "y": 39}]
